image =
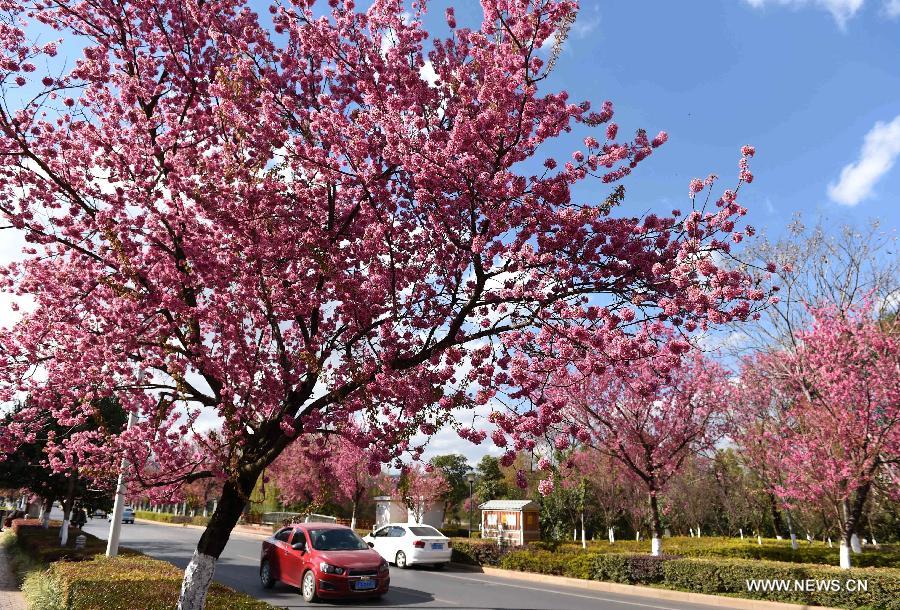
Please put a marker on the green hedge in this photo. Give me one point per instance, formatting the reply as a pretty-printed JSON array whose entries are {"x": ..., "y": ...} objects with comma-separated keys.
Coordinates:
[
  {"x": 730, "y": 576},
  {"x": 717, "y": 576},
  {"x": 42, "y": 545},
  {"x": 62, "y": 578},
  {"x": 476, "y": 552},
  {"x": 887, "y": 556},
  {"x": 578, "y": 565},
  {"x": 128, "y": 582},
  {"x": 150, "y": 515}
]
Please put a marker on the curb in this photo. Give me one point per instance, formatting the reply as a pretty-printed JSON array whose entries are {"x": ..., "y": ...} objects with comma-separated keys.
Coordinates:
[{"x": 719, "y": 601}]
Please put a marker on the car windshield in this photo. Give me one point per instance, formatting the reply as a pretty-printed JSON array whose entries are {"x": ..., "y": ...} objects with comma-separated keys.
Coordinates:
[
  {"x": 336, "y": 540},
  {"x": 425, "y": 531}
]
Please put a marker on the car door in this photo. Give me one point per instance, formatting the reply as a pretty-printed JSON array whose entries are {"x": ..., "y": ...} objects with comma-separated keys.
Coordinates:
[
  {"x": 381, "y": 542},
  {"x": 398, "y": 541},
  {"x": 277, "y": 553},
  {"x": 296, "y": 561}
]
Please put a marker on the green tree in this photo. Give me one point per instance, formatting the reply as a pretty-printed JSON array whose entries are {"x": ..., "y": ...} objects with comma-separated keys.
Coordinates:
[
  {"x": 454, "y": 466},
  {"x": 491, "y": 483}
]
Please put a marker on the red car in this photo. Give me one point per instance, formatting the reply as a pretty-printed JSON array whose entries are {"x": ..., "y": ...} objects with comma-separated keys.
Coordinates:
[{"x": 324, "y": 560}]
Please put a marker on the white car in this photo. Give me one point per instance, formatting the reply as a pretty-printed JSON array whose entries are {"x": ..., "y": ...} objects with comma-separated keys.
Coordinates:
[{"x": 406, "y": 544}]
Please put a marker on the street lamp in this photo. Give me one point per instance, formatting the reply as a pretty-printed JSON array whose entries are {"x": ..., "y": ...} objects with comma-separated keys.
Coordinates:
[
  {"x": 470, "y": 477},
  {"x": 115, "y": 525}
]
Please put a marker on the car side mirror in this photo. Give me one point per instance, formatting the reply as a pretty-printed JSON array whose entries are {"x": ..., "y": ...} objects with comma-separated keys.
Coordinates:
[
  {"x": 299, "y": 546},
  {"x": 371, "y": 545}
]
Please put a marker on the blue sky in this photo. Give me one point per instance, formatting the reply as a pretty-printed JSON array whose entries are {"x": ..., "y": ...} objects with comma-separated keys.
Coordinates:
[{"x": 805, "y": 82}]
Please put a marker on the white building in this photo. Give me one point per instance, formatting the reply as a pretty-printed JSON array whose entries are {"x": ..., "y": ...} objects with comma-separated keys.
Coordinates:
[{"x": 391, "y": 510}]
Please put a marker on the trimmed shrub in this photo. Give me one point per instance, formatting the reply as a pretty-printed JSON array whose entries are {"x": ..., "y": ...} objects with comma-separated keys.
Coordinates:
[
  {"x": 135, "y": 581},
  {"x": 43, "y": 544},
  {"x": 476, "y": 552},
  {"x": 577, "y": 565},
  {"x": 731, "y": 576},
  {"x": 150, "y": 515}
]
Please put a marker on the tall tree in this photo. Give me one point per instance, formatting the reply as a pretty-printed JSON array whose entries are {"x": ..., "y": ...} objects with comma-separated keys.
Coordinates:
[
  {"x": 454, "y": 468},
  {"x": 650, "y": 417},
  {"x": 286, "y": 225},
  {"x": 839, "y": 393},
  {"x": 490, "y": 484}
]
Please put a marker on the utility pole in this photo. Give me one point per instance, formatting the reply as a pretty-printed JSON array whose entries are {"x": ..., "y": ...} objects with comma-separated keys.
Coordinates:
[{"x": 115, "y": 526}]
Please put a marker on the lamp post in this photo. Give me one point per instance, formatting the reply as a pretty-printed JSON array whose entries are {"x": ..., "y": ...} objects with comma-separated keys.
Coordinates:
[
  {"x": 115, "y": 525},
  {"x": 470, "y": 477}
]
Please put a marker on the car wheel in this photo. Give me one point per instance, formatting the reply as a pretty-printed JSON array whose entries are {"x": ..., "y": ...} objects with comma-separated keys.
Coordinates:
[
  {"x": 400, "y": 559},
  {"x": 308, "y": 588},
  {"x": 265, "y": 575}
]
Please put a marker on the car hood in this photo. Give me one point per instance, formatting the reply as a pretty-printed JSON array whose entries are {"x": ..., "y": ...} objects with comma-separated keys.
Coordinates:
[{"x": 351, "y": 559}]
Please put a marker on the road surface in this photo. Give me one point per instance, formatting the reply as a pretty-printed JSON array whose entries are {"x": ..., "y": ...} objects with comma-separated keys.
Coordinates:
[{"x": 411, "y": 588}]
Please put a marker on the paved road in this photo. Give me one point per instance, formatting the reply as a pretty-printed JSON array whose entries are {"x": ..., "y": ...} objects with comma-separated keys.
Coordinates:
[{"x": 412, "y": 588}]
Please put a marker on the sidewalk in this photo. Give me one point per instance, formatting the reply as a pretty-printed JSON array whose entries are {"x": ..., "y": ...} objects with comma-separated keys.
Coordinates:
[{"x": 10, "y": 596}]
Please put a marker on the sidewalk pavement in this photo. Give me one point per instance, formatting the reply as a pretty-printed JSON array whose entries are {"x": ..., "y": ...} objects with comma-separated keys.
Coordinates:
[{"x": 11, "y": 597}]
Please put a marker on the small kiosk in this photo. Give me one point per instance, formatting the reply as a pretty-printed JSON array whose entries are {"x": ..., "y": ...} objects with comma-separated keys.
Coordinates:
[{"x": 510, "y": 522}]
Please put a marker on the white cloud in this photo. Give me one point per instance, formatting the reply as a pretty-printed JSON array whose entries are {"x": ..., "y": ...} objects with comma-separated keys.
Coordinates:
[
  {"x": 892, "y": 8},
  {"x": 879, "y": 151},
  {"x": 841, "y": 10}
]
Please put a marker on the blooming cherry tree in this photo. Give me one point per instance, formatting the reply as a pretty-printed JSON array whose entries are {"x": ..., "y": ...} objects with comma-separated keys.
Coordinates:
[
  {"x": 289, "y": 228},
  {"x": 419, "y": 487},
  {"x": 649, "y": 416},
  {"x": 838, "y": 397},
  {"x": 324, "y": 468}
]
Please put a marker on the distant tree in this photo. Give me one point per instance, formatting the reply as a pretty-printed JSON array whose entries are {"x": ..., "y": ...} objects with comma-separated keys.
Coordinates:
[
  {"x": 838, "y": 393},
  {"x": 454, "y": 468},
  {"x": 315, "y": 470},
  {"x": 88, "y": 481},
  {"x": 490, "y": 484},
  {"x": 419, "y": 487}
]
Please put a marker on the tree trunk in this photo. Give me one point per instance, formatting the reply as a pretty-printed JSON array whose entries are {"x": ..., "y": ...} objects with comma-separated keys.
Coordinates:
[
  {"x": 793, "y": 534},
  {"x": 583, "y": 539},
  {"x": 777, "y": 522},
  {"x": 353, "y": 517},
  {"x": 852, "y": 514},
  {"x": 67, "y": 509},
  {"x": 655, "y": 526},
  {"x": 199, "y": 573},
  {"x": 612, "y": 536}
]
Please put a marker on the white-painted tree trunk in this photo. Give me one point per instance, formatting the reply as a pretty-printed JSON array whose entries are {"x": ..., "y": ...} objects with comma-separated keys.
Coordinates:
[
  {"x": 742, "y": 533},
  {"x": 575, "y": 535},
  {"x": 583, "y": 539},
  {"x": 197, "y": 577},
  {"x": 612, "y": 536},
  {"x": 759, "y": 539},
  {"x": 874, "y": 542},
  {"x": 845, "y": 556},
  {"x": 698, "y": 531},
  {"x": 830, "y": 546},
  {"x": 809, "y": 538},
  {"x": 854, "y": 544},
  {"x": 794, "y": 541},
  {"x": 691, "y": 530},
  {"x": 779, "y": 537},
  {"x": 638, "y": 536},
  {"x": 656, "y": 546},
  {"x": 64, "y": 532}
]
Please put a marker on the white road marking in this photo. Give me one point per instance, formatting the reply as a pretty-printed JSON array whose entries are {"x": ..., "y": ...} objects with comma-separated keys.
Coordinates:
[{"x": 594, "y": 597}]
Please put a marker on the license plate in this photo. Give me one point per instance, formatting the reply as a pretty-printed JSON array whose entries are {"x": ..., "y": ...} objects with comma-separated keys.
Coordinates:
[
  {"x": 364, "y": 584},
  {"x": 439, "y": 546}
]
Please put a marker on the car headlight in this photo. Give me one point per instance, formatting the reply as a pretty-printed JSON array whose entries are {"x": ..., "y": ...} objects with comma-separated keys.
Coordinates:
[
  {"x": 330, "y": 569},
  {"x": 383, "y": 566}
]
